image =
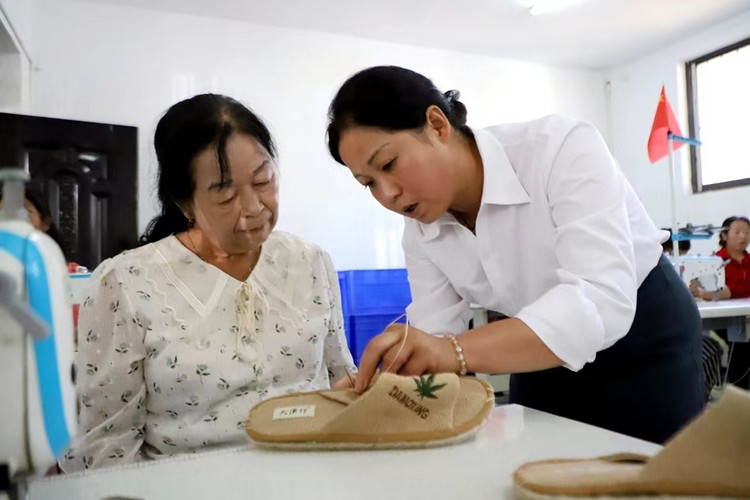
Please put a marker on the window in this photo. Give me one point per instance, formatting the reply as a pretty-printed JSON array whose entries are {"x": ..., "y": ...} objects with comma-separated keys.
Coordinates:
[{"x": 718, "y": 88}]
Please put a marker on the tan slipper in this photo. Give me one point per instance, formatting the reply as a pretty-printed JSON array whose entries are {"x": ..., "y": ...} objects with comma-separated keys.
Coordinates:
[
  {"x": 397, "y": 412},
  {"x": 708, "y": 459}
]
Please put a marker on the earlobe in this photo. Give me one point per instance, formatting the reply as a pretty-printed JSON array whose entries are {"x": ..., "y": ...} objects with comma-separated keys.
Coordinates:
[{"x": 186, "y": 211}]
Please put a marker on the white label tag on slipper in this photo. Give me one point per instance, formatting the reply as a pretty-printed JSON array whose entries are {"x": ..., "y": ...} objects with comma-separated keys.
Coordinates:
[{"x": 294, "y": 412}]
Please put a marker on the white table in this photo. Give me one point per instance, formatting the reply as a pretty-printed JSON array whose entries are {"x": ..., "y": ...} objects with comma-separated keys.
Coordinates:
[
  {"x": 479, "y": 469},
  {"x": 724, "y": 308},
  {"x": 732, "y": 315}
]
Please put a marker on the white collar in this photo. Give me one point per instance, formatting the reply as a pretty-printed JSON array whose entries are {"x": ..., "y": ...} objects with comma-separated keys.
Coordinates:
[{"x": 501, "y": 185}]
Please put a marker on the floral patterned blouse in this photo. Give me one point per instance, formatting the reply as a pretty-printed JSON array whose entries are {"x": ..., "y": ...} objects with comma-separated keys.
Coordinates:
[{"x": 173, "y": 353}]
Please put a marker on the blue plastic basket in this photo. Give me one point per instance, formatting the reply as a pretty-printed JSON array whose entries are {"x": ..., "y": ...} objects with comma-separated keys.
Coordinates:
[
  {"x": 371, "y": 300},
  {"x": 361, "y": 329},
  {"x": 375, "y": 291}
]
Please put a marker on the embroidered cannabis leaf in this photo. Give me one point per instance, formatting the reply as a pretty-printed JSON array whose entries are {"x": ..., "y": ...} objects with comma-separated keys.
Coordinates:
[{"x": 426, "y": 387}]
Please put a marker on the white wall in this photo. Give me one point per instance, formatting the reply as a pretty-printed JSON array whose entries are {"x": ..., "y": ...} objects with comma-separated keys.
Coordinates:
[
  {"x": 10, "y": 82},
  {"x": 122, "y": 65},
  {"x": 635, "y": 91},
  {"x": 19, "y": 13},
  {"x": 15, "y": 65}
]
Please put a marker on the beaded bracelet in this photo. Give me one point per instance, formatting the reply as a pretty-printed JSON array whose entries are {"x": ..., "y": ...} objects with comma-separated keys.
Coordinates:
[{"x": 459, "y": 353}]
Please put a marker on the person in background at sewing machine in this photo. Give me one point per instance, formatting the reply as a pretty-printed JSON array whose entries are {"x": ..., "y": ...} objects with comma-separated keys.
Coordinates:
[
  {"x": 533, "y": 221},
  {"x": 181, "y": 337},
  {"x": 668, "y": 247},
  {"x": 733, "y": 241},
  {"x": 40, "y": 216}
]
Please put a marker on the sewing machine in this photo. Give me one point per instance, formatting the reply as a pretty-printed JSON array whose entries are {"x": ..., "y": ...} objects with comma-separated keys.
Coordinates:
[{"x": 38, "y": 416}]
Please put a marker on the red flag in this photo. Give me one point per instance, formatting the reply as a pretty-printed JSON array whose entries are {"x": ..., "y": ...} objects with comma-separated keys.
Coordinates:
[{"x": 664, "y": 122}]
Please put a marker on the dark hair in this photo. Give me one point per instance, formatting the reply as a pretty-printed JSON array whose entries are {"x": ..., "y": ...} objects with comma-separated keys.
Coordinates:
[
  {"x": 728, "y": 222},
  {"x": 389, "y": 98},
  {"x": 38, "y": 198},
  {"x": 668, "y": 246},
  {"x": 186, "y": 130}
]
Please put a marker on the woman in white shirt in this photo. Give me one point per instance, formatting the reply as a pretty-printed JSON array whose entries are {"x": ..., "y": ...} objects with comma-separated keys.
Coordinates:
[
  {"x": 181, "y": 337},
  {"x": 536, "y": 222}
]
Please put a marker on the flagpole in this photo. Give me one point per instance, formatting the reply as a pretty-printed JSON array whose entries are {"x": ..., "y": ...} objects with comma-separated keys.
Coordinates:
[{"x": 672, "y": 175}]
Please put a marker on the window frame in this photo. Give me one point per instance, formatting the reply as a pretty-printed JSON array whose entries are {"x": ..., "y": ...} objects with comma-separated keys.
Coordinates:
[{"x": 691, "y": 79}]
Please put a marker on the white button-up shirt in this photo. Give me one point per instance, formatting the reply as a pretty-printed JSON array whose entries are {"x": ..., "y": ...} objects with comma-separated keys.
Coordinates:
[{"x": 562, "y": 242}]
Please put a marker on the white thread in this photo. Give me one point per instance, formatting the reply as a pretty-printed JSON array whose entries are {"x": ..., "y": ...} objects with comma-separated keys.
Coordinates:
[{"x": 403, "y": 341}]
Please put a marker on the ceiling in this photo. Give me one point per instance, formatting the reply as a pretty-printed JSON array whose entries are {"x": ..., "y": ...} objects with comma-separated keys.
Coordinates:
[{"x": 597, "y": 34}]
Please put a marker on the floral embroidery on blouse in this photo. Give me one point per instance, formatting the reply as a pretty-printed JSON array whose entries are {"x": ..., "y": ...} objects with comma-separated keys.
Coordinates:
[{"x": 174, "y": 353}]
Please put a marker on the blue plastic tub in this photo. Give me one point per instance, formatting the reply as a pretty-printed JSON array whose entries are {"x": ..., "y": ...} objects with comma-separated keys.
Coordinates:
[
  {"x": 371, "y": 300},
  {"x": 361, "y": 329},
  {"x": 374, "y": 291}
]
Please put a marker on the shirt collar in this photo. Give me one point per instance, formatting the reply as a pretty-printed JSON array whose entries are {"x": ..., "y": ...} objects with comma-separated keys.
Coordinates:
[
  {"x": 722, "y": 252},
  {"x": 501, "y": 185}
]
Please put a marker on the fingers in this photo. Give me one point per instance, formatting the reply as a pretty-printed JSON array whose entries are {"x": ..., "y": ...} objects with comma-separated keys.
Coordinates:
[
  {"x": 417, "y": 365},
  {"x": 371, "y": 358},
  {"x": 346, "y": 382},
  {"x": 396, "y": 357}
]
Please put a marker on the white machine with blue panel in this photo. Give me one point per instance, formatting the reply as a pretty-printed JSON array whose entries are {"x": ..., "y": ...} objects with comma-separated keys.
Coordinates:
[{"x": 37, "y": 392}]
